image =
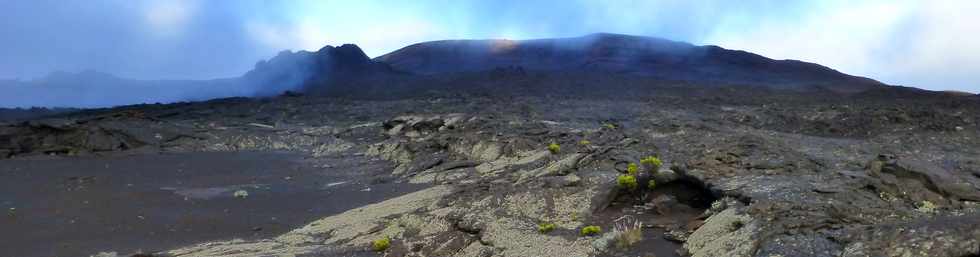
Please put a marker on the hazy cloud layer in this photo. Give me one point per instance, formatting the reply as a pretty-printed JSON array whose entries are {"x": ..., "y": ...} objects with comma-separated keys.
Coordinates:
[{"x": 928, "y": 44}]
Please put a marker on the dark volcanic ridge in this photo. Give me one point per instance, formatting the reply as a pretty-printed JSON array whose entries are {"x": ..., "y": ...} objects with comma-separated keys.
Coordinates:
[
  {"x": 315, "y": 71},
  {"x": 623, "y": 54},
  {"x": 450, "y": 64}
]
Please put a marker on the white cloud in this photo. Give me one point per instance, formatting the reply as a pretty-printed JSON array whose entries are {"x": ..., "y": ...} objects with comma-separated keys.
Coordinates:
[
  {"x": 380, "y": 39},
  {"x": 942, "y": 49},
  {"x": 304, "y": 35},
  {"x": 375, "y": 38},
  {"x": 842, "y": 37},
  {"x": 168, "y": 17},
  {"x": 930, "y": 45}
]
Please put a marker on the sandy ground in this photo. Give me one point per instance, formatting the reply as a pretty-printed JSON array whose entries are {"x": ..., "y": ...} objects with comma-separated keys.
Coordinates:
[{"x": 64, "y": 206}]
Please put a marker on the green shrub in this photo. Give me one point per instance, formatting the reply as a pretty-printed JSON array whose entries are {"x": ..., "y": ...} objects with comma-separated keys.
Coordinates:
[
  {"x": 544, "y": 228},
  {"x": 241, "y": 194},
  {"x": 627, "y": 181},
  {"x": 653, "y": 162},
  {"x": 554, "y": 148},
  {"x": 590, "y": 231},
  {"x": 632, "y": 169},
  {"x": 652, "y": 184},
  {"x": 380, "y": 245},
  {"x": 584, "y": 142},
  {"x": 926, "y": 207},
  {"x": 609, "y": 126}
]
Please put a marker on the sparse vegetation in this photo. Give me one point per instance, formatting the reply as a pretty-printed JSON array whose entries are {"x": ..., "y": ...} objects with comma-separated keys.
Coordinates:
[
  {"x": 382, "y": 244},
  {"x": 627, "y": 182},
  {"x": 591, "y": 230},
  {"x": 887, "y": 197},
  {"x": 554, "y": 148},
  {"x": 544, "y": 228},
  {"x": 926, "y": 207},
  {"x": 241, "y": 194},
  {"x": 632, "y": 169},
  {"x": 609, "y": 126},
  {"x": 652, "y": 184},
  {"x": 628, "y": 231},
  {"x": 652, "y": 163},
  {"x": 584, "y": 142}
]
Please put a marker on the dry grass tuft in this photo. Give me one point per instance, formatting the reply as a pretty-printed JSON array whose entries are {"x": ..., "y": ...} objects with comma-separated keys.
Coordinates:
[{"x": 628, "y": 231}]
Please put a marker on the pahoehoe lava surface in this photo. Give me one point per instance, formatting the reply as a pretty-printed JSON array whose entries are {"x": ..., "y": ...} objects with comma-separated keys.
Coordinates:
[
  {"x": 146, "y": 202},
  {"x": 793, "y": 175}
]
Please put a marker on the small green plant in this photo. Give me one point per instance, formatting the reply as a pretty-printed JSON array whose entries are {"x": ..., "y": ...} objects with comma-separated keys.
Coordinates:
[
  {"x": 590, "y": 231},
  {"x": 652, "y": 184},
  {"x": 627, "y": 182},
  {"x": 241, "y": 194},
  {"x": 544, "y": 228},
  {"x": 926, "y": 207},
  {"x": 632, "y": 169},
  {"x": 382, "y": 244},
  {"x": 584, "y": 142},
  {"x": 609, "y": 126},
  {"x": 887, "y": 197},
  {"x": 653, "y": 162},
  {"x": 554, "y": 148}
]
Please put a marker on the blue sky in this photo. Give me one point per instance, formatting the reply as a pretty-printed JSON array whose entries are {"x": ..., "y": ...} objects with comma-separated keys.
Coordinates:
[{"x": 928, "y": 44}]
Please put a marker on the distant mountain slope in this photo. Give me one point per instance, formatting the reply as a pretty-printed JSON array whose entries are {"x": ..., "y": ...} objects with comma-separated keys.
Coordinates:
[
  {"x": 597, "y": 62},
  {"x": 636, "y": 55},
  {"x": 311, "y": 71},
  {"x": 288, "y": 71},
  {"x": 96, "y": 89}
]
